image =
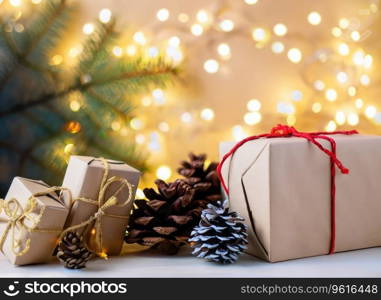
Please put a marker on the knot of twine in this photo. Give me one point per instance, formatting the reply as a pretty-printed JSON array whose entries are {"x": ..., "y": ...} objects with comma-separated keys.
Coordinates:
[
  {"x": 289, "y": 131},
  {"x": 102, "y": 204},
  {"x": 16, "y": 215}
]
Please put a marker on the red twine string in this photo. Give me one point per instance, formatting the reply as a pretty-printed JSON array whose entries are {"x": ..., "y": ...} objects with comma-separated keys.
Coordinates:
[{"x": 287, "y": 131}]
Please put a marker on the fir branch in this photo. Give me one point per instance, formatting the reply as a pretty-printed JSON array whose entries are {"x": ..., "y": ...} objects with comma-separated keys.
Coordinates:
[
  {"x": 83, "y": 87},
  {"x": 22, "y": 56}
]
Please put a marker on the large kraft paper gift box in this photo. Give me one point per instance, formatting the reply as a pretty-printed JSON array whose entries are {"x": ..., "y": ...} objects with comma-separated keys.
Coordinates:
[
  {"x": 282, "y": 187},
  {"x": 32, "y": 217},
  {"x": 84, "y": 177}
]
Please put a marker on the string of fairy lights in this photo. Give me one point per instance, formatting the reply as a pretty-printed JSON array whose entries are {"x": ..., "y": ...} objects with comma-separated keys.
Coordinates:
[{"x": 336, "y": 92}]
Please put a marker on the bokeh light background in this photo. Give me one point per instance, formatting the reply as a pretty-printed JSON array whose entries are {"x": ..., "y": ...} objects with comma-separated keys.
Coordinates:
[{"x": 311, "y": 64}]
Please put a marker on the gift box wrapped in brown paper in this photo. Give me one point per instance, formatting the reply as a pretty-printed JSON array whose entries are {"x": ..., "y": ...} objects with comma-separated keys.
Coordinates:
[
  {"x": 93, "y": 182},
  {"x": 32, "y": 217},
  {"x": 282, "y": 187}
]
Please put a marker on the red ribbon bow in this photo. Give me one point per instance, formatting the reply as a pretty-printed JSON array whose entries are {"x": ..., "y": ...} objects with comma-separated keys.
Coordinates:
[{"x": 287, "y": 131}]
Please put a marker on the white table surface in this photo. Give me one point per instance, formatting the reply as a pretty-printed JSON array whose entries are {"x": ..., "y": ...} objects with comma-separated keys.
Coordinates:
[{"x": 362, "y": 263}]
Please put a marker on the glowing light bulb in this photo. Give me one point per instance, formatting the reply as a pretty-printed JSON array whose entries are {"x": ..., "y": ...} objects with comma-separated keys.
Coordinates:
[
  {"x": 33, "y": 1},
  {"x": 159, "y": 96},
  {"x": 115, "y": 125},
  {"x": 367, "y": 61},
  {"x": 253, "y": 105},
  {"x": 344, "y": 23},
  {"x": 224, "y": 50},
  {"x": 203, "y": 16},
  {"x": 56, "y": 60},
  {"x": 105, "y": 15},
  {"x": 358, "y": 57},
  {"x": 226, "y": 25},
  {"x": 359, "y": 103},
  {"x": 316, "y": 107},
  {"x": 69, "y": 148},
  {"x": 296, "y": 95},
  {"x": 153, "y": 52},
  {"x": 319, "y": 85},
  {"x": 238, "y": 133},
  {"x": 207, "y": 114},
  {"x": 285, "y": 108},
  {"x": 211, "y": 66},
  {"x": 353, "y": 119},
  {"x": 259, "y": 34},
  {"x": 364, "y": 79},
  {"x": 280, "y": 29},
  {"x": 131, "y": 50},
  {"x": 140, "y": 139},
  {"x": 175, "y": 54},
  {"x": 251, "y": 2},
  {"x": 342, "y": 77},
  {"x": 186, "y": 117},
  {"x": 294, "y": 55},
  {"x": 340, "y": 117},
  {"x": 370, "y": 111},
  {"x": 162, "y": 14},
  {"x": 314, "y": 18},
  {"x": 163, "y": 172},
  {"x": 75, "y": 105},
  {"x": 75, "y": 51},
  {"x": 331, "y": 126},
  {"x": 146, "y": 101},
  {"x": 15, "y": 3},
  {"x": 277, "y": 47},
  {"x": 140, "y": 38},
  {"x": 355, "y": 35},
  {"x": 331, "y": 94},
  {"x": 252, "y": 118},
  {"x": 343, "y": 49},
  {"x": 174, "y": 41},
  {"x": 88, "y": 28},
  {"x": 197, "y": 29},
  {"x": 336, "y": 32},
  {"x": 117, "y": 51},
  {"x": 136, "y": 124},
  {"x": 164, "y": 126},
  {"x": 140, "y": 194},
  {"x": 352, "y": 91}
]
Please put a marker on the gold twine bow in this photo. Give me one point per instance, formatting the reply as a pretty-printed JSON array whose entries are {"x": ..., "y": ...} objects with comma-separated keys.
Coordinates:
[
  {"x": 102, "y": 205},
  {"x": 16, "y": 216}
]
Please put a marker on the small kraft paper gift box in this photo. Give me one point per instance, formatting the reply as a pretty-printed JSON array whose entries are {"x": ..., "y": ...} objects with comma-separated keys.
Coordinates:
[
  {"x": 102, "y": 197},
  {"x": 305, "y": 194},
  {"x": 32, "y": 216}
]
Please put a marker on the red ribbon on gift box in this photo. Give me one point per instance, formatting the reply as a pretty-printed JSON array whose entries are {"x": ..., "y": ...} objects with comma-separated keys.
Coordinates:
[{"x": 287, "y": 131}]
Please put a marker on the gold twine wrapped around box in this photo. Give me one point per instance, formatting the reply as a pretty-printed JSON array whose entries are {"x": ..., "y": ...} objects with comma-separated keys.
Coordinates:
[
  {"x": 102, "y": 205},
  {"x": 16, "y": 215}
]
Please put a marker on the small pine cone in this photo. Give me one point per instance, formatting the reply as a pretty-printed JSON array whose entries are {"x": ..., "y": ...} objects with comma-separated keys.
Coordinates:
[
  {"x": 72, "y": 252},
  {"x": 220, "y": 236},
  {"x": 203, "y": 179}
]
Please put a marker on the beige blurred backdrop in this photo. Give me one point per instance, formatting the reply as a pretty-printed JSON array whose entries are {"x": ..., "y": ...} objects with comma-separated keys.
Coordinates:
[{"x": 251, "y": 72}]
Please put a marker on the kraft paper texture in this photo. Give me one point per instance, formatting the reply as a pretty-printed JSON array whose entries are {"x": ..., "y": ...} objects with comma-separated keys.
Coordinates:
[
  {"x": 83, "y": 177},
  {"x": 282, "y": 188},
  {"x": 54, "y": 213}
]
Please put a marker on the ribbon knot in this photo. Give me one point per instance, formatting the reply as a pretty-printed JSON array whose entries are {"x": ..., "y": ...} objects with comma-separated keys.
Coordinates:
[
  {"x": 283, "y": 130},
  {"x": 312, "y": 137}
]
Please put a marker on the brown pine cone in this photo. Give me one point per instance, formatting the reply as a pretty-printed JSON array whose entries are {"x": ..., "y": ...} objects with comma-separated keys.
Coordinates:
[
  {"x": 203, "y": 179},
  {"x": 165, "y": 220},
  {"x": 72, "y": 252}
]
